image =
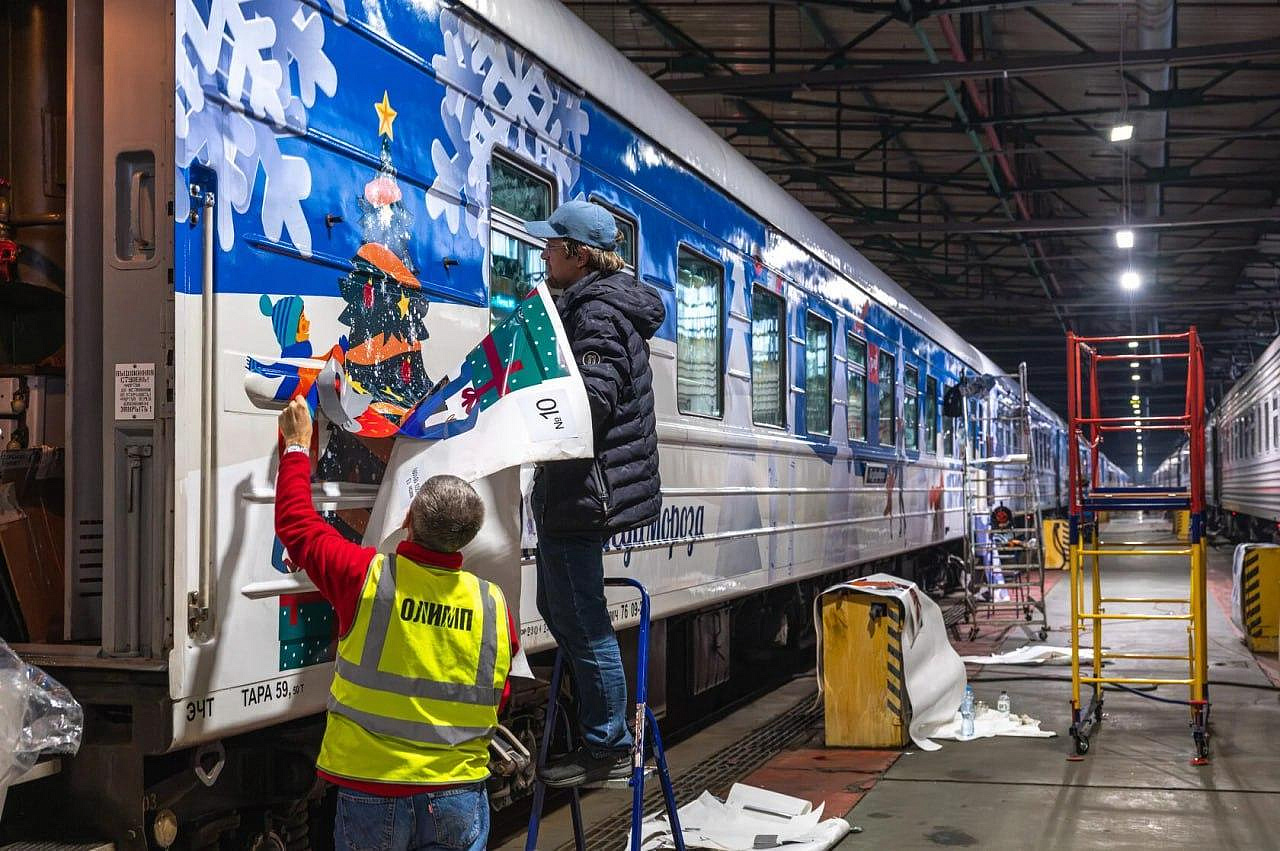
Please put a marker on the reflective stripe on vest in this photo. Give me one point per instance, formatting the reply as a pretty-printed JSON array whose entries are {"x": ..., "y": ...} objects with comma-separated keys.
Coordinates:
[
  {"x": 368, "y": 675},
  {"x": 426, "y": 720}
]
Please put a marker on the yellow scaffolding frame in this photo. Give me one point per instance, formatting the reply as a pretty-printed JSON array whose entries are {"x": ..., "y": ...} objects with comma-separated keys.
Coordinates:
[{"x": 1088, "y": 497}]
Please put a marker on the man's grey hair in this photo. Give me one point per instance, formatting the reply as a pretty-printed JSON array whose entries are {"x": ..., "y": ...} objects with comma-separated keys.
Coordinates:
[{"x": 445, "y": 515}]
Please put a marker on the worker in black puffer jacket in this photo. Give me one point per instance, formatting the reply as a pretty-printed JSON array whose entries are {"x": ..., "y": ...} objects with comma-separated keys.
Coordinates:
[{"x": 609, "y": 318}]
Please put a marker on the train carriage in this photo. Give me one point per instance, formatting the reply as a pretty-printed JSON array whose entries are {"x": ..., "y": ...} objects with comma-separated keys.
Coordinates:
[{"x": 287, "y": 181}]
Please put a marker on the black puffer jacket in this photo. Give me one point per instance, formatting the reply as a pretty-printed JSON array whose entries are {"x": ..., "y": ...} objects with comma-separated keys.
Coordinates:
[{"x": 609, "y": 320}]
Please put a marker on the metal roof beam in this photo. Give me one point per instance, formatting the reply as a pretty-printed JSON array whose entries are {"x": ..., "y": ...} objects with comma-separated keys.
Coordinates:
[
  {"x": 898, "y": 72},
  {"x": 1058, "y": 225}
]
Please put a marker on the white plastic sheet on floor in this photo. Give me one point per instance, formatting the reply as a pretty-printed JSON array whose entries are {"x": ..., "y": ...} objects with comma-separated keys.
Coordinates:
[
  {"x": 989, "y": 722},
  {"x": 934, "y": 673},
  {"x": 1032, "y": 654},
  {"x": 750, "y": 818}
]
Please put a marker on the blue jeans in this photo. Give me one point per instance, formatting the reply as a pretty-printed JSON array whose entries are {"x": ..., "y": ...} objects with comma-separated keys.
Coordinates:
[
  {"x": 571, "y": 601},
  {"x": 454, "y": 819}
]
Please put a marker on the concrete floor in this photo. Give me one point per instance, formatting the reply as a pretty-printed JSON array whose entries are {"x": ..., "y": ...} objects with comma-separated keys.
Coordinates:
[
  {"x": 557, "y": 829},
  {"x": 1136, "y": 788}
]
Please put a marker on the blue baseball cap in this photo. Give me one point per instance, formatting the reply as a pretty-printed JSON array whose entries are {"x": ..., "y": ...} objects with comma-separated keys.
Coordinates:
[{"x": 580, "y": 221}]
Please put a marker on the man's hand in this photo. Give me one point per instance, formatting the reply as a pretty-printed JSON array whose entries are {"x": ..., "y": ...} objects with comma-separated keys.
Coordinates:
[{"x": 295, "y": 423}]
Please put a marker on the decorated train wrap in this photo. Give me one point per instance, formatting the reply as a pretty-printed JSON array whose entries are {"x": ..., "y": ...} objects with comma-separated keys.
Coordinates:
[{"x": 350, "y": 184}]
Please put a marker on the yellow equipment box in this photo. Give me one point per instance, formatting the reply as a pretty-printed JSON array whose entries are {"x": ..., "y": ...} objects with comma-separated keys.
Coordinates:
[
  {"x": 864, "y": 691},
  {"x": 1056, "y": 541},
  {"x": 1260, "y": 598},
  {"x": 1182, "y": 525}
]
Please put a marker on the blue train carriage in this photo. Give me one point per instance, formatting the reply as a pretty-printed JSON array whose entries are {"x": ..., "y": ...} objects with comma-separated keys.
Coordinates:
[{"x": 341, "y": 187}]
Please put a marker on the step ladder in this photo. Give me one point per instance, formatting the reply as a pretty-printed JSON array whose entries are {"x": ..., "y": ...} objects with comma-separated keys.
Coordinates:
[
  {"x": 1087, "y": 429},
  {"x": 646, "y": 728},
  {"x": 1003, "y": 551}
]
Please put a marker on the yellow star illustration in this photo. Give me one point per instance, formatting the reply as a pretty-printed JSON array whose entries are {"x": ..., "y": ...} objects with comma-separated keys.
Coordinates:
[
  {"x": 386, "y": 115},
  {"x": 403, "y": 304}
]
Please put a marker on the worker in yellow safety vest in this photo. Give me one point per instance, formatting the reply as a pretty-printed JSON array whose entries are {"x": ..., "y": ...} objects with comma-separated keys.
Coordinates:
[{"x": 422, "y": 662}]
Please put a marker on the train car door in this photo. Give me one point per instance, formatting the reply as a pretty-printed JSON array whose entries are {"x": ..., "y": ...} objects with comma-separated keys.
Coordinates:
[{"x": 1216, "y": 462}]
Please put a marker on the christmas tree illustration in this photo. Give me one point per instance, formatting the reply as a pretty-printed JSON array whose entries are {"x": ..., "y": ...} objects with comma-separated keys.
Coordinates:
[
  {"x": 386, "y": 313},
  {"x": 386, "y": 309}
]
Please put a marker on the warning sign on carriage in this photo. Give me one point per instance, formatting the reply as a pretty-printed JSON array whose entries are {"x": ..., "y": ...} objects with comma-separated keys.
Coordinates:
[{"x": 135, "y": 391}]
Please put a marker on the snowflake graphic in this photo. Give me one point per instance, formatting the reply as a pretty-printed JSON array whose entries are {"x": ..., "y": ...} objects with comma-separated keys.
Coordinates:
[
  {"x": 233, "y": 64},
  {"x": 533, "y": 115}
]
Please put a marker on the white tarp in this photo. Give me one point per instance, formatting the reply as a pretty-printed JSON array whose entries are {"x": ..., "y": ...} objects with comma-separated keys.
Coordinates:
[
  {"x": 988, "y": 722},
  {"x": 1031, "y": 654},
  {"x": 933, "y": 671},
  {"x": 749, "y": 817}
]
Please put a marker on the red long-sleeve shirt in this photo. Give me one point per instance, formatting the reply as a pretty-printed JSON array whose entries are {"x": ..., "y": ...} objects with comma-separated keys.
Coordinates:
[{"x": 338, "y": 568}]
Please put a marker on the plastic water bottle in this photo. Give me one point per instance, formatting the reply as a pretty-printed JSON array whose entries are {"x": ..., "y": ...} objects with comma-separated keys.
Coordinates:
[
  {"x": 1003, "y": 703},
  {"x": 966, "y": 714}
]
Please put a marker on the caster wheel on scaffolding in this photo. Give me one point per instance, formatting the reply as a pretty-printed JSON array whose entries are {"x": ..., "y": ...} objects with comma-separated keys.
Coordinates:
[
  {"x": 1043, "y": 633},
  {"x": 1082, "y": 745}
]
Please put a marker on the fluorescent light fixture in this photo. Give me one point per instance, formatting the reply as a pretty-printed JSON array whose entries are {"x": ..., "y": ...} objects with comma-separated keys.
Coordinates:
[
  {"x": 1130, "y": 280},
  {"x": 1137, "y": 422},
  {"x": 1135, "y": 398},
  {"x": 1124, "y": 238},
  {"x": 1122, "y": 133},
  {"x": 1133, "y": 344},
  {"x": 1133, "y": 364},
  {"x": 1139, "y": 431},
  {"x": 1136, "y": 377}
]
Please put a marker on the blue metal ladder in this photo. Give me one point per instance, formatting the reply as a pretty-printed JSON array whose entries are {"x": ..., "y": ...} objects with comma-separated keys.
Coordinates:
[{"x": 645, "y": 721}]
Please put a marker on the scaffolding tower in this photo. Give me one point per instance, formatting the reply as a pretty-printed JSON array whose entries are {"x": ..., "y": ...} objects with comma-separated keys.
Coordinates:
[
  {"x": 1087, "y": 428},
  {"x": 1004, "y": 554}
]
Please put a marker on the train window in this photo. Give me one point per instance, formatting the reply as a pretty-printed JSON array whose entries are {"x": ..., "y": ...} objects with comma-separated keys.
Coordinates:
[
  {"x": 768, "y": 368},
  {"x": 518, "y": 191},
  {"x": 948, "y": 436},
  {"x": 516, "y": 195},
  {"x": 626, "y": 230},
  {"x": 930, "y": 414},
  {"x": 1275, "y": 422},
  {"x": 1266, "y": 432},
  {"x": 699, "y": 294},
  {"x": 911, "y": 406},
  {"x": 817, "y": 374},
  {"x": 887, "y": 376},
  {"x": 856, "y": 366}
]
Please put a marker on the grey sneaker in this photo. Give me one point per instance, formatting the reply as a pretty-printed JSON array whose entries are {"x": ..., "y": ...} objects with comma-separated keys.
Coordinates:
[{"x": 581, "y": 766}]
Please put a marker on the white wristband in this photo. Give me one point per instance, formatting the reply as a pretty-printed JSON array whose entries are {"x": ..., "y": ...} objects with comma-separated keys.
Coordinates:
[{"x": 296, "y": 447}]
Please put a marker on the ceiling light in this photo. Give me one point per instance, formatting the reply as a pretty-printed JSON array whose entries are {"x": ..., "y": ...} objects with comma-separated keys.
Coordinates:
[
  {"x": 1122, "y": 133},
  {"x": 1137, "y": 422},
  {"x": 1133, "y": 364},
  {"x": 1139, "y": 432},
  {"x": 1135, "y": 398},
  {"x": 1133, "y": 344},
  {"x": 1136, "y": 377},
  {"x": 1124, "y": 238},
  {"x": 1130, "y": 280}
]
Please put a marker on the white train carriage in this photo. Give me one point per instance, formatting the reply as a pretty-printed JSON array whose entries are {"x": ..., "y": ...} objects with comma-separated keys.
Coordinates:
[{"x": 348, "y": 151}]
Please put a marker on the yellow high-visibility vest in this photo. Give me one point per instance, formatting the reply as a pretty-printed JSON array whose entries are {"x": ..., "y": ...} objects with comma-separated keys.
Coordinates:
[{"x": 419, "y": 677}]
